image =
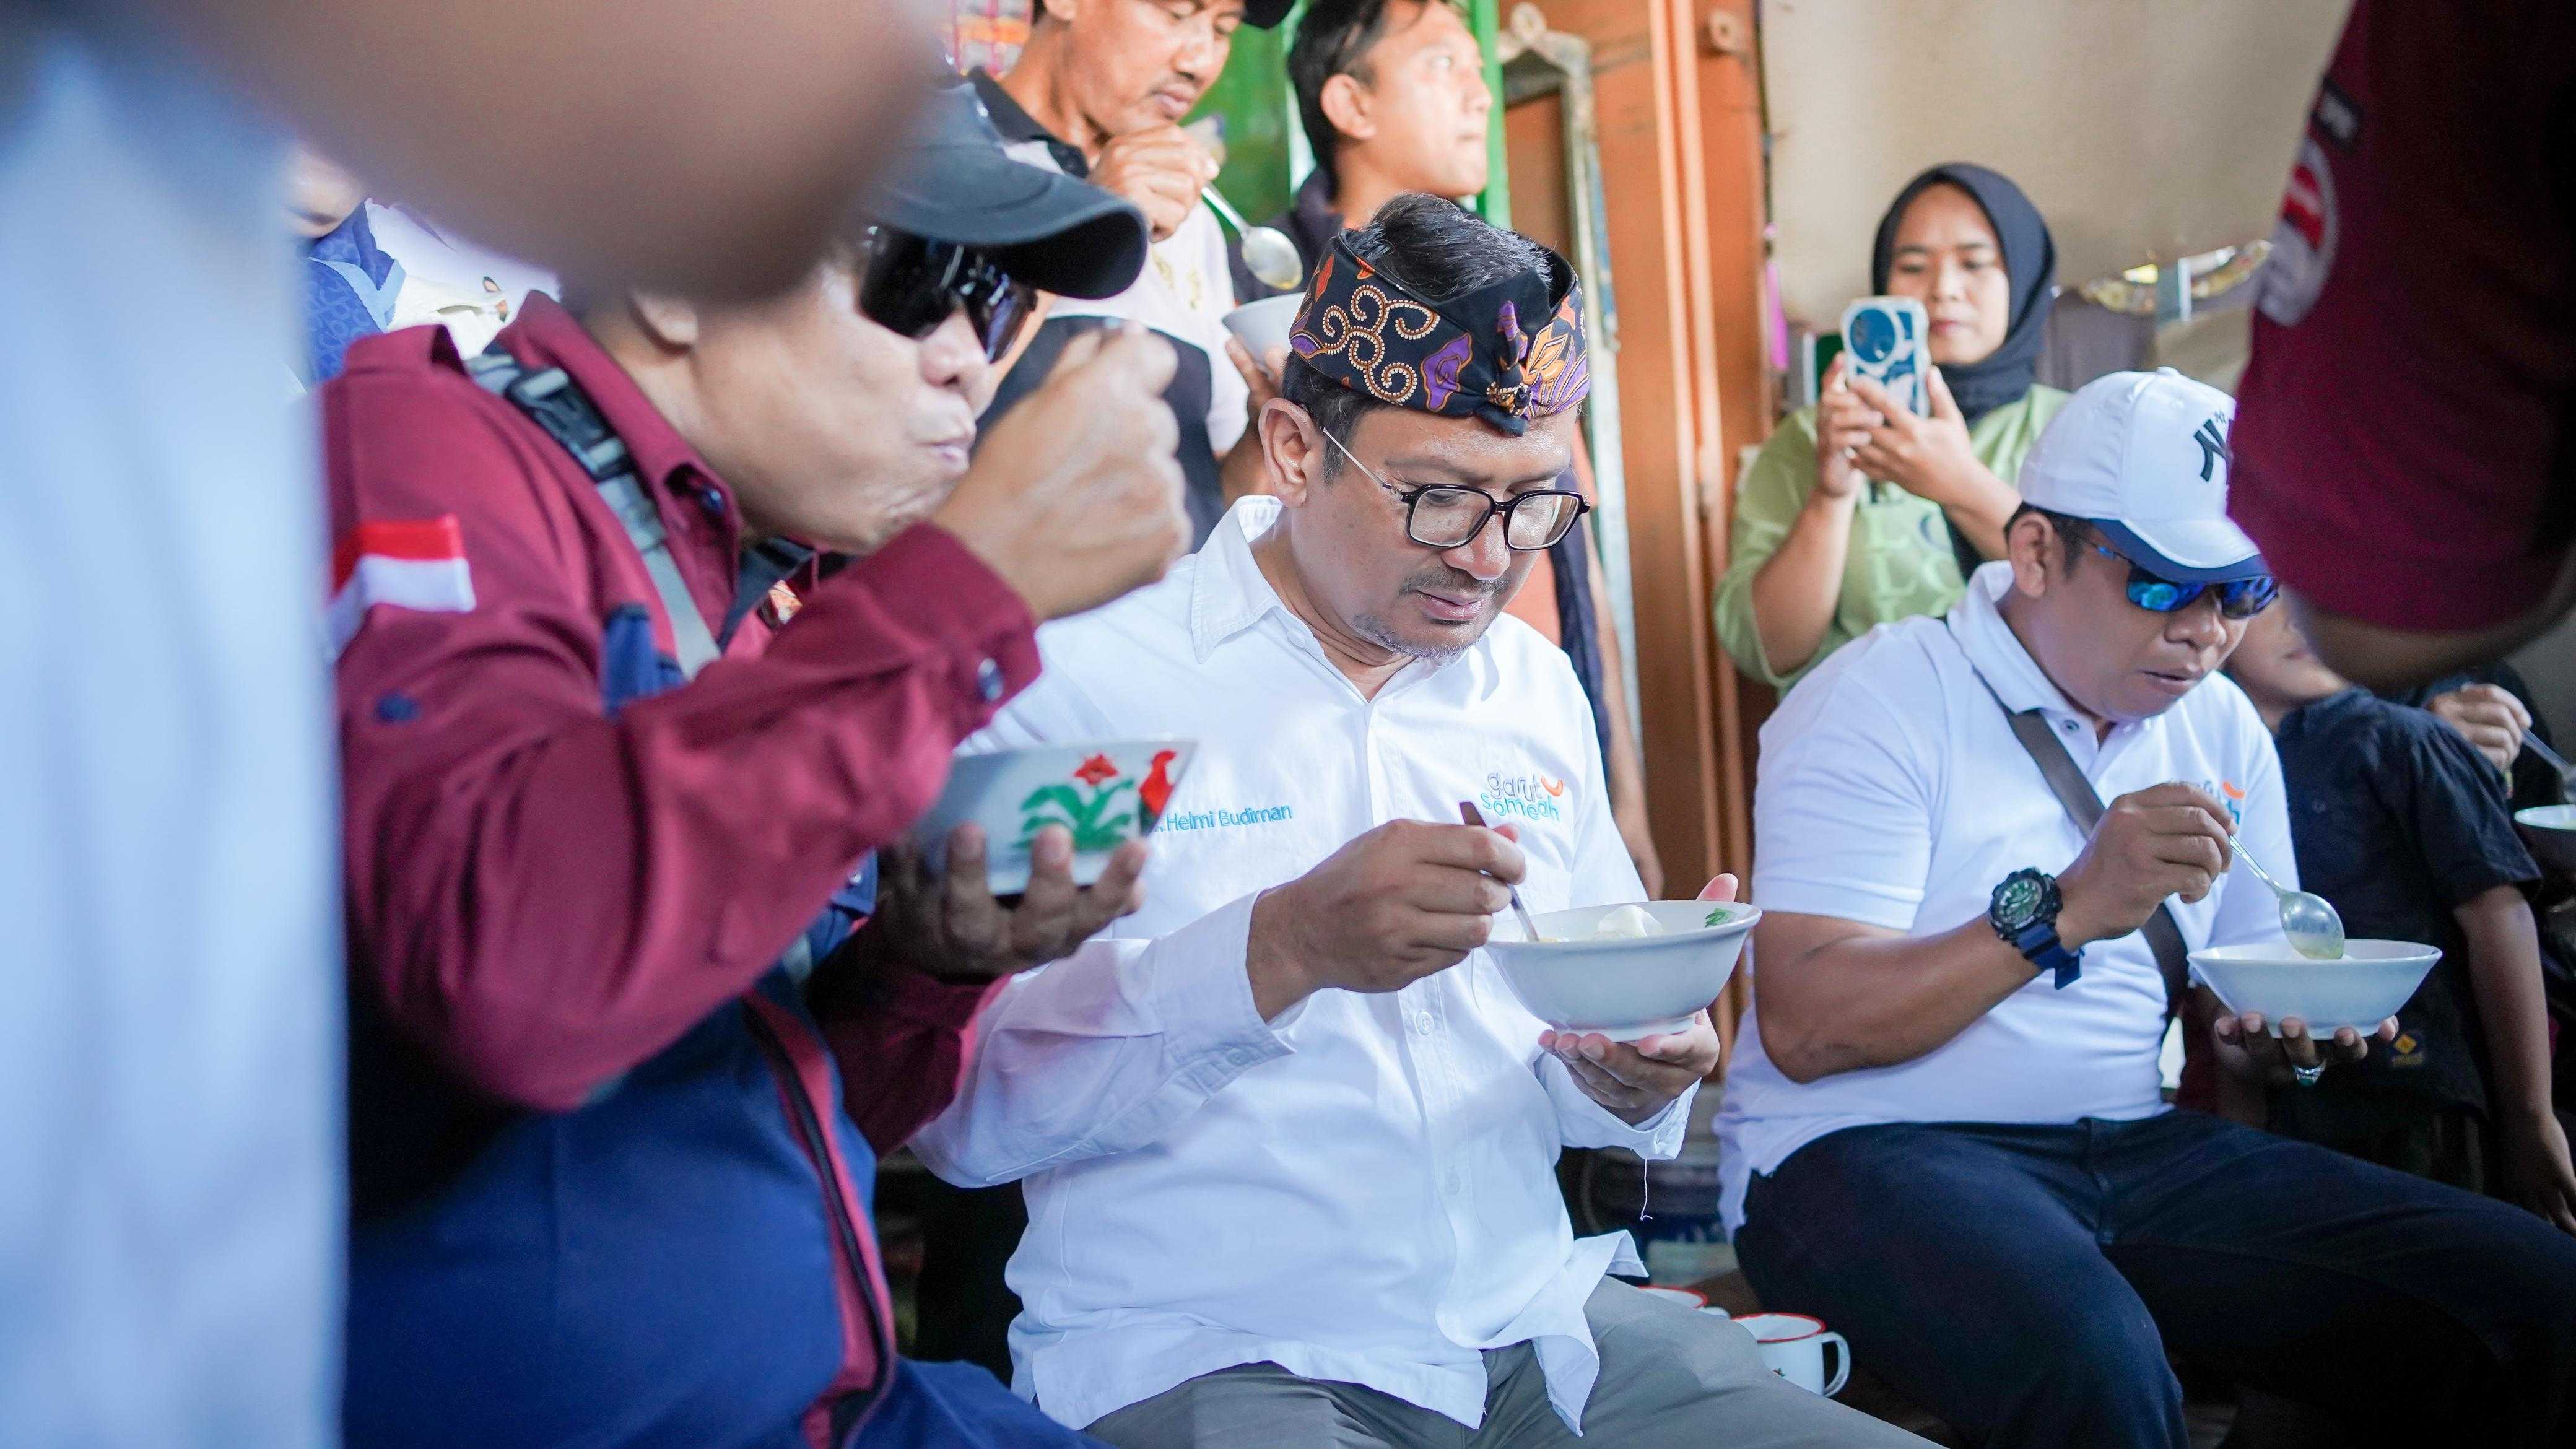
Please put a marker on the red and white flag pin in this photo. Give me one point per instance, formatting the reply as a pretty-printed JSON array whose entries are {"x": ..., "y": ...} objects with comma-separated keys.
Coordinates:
[{"x": 408, "y": 563}]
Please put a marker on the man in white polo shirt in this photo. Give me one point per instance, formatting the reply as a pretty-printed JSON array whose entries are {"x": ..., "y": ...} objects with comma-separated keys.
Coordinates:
[
  {"x": 1288, "y": 1139},
  {"x": 1943, "y": 1129}
]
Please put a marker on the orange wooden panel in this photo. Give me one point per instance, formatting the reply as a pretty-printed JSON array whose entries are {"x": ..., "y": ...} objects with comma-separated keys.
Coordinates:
[
  {"x": 1667, "y": 402},
  {"x": 1727, "y": 64}
]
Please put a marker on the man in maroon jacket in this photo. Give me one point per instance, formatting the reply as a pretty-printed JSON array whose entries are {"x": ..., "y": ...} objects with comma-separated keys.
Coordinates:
[{"x": 619, "y": 1068}]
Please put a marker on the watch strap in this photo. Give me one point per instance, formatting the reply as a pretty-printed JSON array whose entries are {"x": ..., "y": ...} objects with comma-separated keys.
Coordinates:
[{"x": 2038, "y": 944}]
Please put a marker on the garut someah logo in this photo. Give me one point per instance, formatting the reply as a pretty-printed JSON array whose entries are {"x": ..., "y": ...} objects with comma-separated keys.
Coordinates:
[
  {"x": 1531, "y": 796},
  {"x": 2231, "y": 795}
]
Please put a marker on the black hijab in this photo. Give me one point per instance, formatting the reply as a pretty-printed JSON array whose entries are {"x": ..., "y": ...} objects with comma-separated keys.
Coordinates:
[{"x": 2030, "y": 267}]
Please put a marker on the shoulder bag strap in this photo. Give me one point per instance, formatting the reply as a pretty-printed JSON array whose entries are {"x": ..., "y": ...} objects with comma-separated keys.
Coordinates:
[
  {"x": 555, "y": 403},
  {"x": 2066, "y": 780}
]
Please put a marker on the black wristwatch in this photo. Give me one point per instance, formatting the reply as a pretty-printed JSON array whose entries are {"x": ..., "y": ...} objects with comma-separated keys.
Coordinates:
[{"x": 2024, "y": 913}]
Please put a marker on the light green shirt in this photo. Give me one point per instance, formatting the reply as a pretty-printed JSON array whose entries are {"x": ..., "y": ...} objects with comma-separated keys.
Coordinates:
[{"x": 1901, "y": 563}]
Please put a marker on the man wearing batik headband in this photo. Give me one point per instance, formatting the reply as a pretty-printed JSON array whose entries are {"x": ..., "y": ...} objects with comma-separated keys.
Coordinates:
[{"x": 1288, "y": 1137}]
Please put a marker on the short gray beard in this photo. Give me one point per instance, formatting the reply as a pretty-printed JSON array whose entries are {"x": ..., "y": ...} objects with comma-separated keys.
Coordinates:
[{"x": 1374, "y": 630}]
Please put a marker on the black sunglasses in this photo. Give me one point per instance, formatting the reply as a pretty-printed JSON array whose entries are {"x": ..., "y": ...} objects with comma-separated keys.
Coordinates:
[
  {"x": 2237, "y": 598},
  {"x": 910, "y": 285},
  {"x": 1446, "y": 516}
]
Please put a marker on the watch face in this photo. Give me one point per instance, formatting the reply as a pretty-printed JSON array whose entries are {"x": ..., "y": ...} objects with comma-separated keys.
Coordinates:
[{"x": 2018, "y": 899}]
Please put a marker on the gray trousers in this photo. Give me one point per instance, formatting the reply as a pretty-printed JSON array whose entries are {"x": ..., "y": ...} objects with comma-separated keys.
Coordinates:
[{"x": 1670, "y": 1379}]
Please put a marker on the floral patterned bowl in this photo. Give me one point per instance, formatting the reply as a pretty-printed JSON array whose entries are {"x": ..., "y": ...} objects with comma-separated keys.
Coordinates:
[{"x": 1106, "y": 792}]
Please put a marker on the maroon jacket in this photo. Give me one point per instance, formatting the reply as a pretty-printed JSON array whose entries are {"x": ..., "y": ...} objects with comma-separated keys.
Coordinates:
[{"x": 543, "y": 896}]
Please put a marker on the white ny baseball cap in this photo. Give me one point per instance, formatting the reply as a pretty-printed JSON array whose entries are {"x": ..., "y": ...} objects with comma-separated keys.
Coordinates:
[{"x": 2143, "y": 457}]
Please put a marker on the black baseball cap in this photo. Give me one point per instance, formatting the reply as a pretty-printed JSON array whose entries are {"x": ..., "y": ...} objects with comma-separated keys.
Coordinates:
[{"x": 952, "y": 182}]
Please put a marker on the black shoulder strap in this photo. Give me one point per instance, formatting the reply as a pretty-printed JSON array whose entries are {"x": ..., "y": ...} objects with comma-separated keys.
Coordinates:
[
  {"x": 2066, "y": 780},
  {"x": 554, "y": 402}
]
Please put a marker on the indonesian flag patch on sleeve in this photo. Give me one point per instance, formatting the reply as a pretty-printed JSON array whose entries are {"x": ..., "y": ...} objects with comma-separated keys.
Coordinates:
[{"x": 408, "y": 563}]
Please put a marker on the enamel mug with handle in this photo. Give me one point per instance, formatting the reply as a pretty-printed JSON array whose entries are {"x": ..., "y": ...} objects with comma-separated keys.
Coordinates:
[{"x": 1799, "y": 1348}]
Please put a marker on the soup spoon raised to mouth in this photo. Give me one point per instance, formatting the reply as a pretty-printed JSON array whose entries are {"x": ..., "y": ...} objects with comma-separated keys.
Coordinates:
[{"x": 1267, "y": 252}]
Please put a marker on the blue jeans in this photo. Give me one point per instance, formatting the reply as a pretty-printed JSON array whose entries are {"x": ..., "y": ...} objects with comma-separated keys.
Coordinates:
[{"x": 2027, "y": 1283}]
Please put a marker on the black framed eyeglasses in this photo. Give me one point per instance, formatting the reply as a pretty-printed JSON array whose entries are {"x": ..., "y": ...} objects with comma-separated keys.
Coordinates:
[
  {"x": 2237, "y": 598},
  {"x": 1446, "y": 516},
  {"x": 910, "y": 285}
]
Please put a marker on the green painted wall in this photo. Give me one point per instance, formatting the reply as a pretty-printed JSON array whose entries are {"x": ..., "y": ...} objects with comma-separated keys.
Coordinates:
[{"x": 1253, "y": 98}]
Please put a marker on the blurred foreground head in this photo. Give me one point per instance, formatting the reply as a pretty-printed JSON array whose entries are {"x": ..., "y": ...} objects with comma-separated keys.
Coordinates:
[
  {"x": 844, "y": 409},
  {"x": 706, "y": 148}
]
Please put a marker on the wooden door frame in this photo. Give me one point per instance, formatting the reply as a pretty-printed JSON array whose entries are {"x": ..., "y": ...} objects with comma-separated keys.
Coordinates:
[{"x": 1681, "y": 151}]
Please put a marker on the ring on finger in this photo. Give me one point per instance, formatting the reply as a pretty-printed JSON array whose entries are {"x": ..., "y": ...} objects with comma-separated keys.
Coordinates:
[{"x": 2308, "y": 1076}]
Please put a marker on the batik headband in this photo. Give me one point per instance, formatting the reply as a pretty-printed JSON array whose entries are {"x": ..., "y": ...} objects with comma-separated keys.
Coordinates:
[{"x": 1466, "y": 357}]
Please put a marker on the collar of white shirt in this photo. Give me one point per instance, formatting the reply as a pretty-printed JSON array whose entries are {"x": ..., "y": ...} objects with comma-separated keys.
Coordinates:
[
  {"x": 1228, "y": 593},
  {"x": 1996, "y": 651}
]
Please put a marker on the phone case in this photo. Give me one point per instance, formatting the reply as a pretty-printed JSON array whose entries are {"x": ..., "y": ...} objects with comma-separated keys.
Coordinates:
[{"x": 1883, "y": 340}]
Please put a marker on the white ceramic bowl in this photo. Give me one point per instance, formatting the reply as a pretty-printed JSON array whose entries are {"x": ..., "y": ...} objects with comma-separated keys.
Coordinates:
[
  {"x": 2365, "y": 988},
  {"x": 1263, "y": 325},
  {"x": 1107, "y": 792},
  {"x": 2550, "y": 831},
  {"x": 1627, "y": 987}
]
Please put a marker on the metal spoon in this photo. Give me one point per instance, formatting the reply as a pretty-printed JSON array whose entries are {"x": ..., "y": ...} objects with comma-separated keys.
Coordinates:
[
  {"x": 2311, "y": 923},
  {"x": 2555, "y": 761},
  {"x": 1267, "y": 252},
  {"x": 1468, "y": 812}
]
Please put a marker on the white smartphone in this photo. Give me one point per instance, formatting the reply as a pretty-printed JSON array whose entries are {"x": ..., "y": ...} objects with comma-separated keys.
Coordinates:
[{"x": 1885, "y": 340}]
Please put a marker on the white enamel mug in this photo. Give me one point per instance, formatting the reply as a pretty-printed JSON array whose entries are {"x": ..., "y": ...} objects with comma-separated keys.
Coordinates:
[{"x": 1796, "y": 1348}]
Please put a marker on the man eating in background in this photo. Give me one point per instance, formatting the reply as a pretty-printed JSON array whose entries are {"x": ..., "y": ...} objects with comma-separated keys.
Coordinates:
[
  {"x": 1288, "y": 1137},
  {"x": 1099, "y": 92}
]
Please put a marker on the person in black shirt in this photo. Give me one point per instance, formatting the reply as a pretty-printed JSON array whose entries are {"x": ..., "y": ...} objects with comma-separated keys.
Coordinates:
[{"x": 2403, "y": 825}]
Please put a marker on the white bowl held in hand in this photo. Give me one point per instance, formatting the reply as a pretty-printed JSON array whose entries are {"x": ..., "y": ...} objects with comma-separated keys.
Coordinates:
[
  {"x": 1105, "y": 793},
  {"x": 1623, "y": 987},
  {"x": 2365, "y": 988},
  {"x": 2550, "y": 833},
  {"x": 1263, "y": 325}
]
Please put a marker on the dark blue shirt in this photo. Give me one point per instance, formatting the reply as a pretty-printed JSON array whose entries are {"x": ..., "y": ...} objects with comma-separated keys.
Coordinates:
[{"x": 2398, "y": 821}]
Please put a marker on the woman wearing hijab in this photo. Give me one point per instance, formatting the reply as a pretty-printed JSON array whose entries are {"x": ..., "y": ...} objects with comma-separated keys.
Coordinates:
[{"x": 1858, "y": 512}]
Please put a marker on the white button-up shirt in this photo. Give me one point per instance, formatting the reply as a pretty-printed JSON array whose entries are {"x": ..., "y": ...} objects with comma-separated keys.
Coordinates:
[
  {"x": 1893, "y": 792},
  {"x": 1361, "y": 1190}
]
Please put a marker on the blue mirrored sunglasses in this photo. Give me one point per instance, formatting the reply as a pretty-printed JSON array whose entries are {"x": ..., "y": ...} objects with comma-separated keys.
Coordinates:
[{"x": 2237, "y": 598}]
